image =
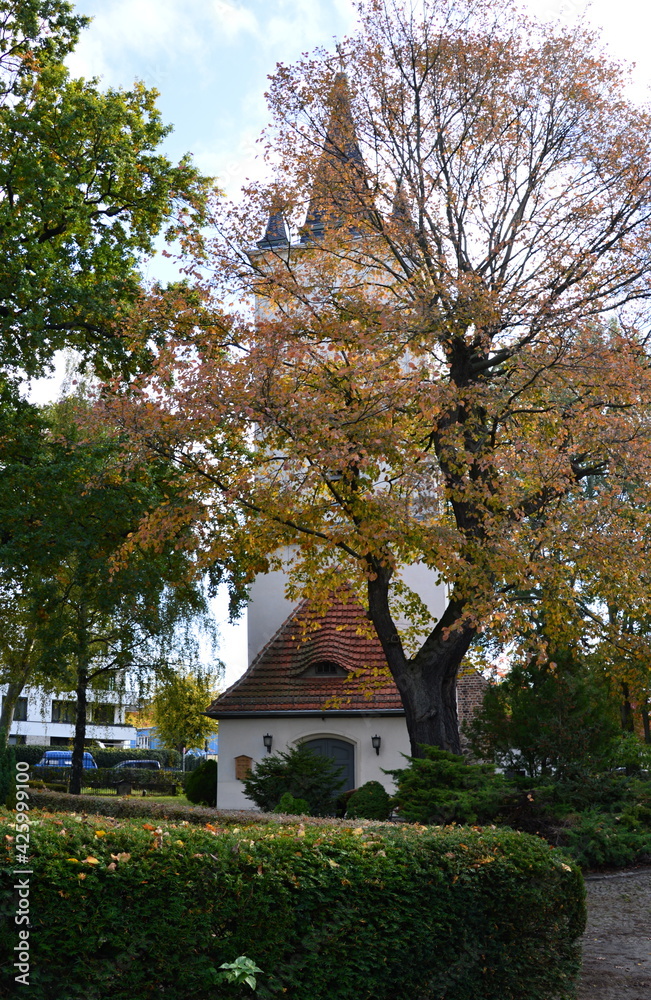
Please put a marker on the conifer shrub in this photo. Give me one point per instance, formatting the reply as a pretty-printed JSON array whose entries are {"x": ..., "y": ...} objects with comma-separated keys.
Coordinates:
[
  {"x": 201, "y": 785},
  {"x": 134, "y": 909},
  {"x": 370, "y": 801},
  {"x": 443, "y": 787},
  {"x": 299, "y": 771}
]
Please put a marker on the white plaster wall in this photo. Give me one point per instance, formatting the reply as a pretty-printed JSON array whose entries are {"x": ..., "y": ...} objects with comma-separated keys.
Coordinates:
[
  {"x": 38, "y": 727},
  {"x": 244, "y": 736},
  {"x": 267, "y": 609}
]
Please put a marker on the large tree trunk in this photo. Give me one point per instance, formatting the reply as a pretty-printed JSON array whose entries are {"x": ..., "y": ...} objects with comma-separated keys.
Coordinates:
[
  {"x": 82, "y": 696},
  {"x": 645, "y": 723},
  {"x": 80, "y": 730},
  {"x": 428, "y": 682},
  {"x": 14, "y": 690},
  {"x": 8, "y": 705},
  {"x": 626, "y": 710}
]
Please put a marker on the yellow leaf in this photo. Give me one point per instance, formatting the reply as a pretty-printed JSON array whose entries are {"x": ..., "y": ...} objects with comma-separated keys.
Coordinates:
[{"x": 90, "y": 860}]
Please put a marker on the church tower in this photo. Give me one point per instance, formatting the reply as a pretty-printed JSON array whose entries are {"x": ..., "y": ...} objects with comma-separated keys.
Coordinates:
[{"x": 306, "y": 681}]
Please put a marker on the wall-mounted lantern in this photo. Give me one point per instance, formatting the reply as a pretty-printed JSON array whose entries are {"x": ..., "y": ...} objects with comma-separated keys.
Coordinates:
[
  {"x": 376, "y": 743},
  {"x": 267, "y": 739}
]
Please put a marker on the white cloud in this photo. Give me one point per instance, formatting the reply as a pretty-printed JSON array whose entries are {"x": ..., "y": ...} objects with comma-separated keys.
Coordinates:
[
  {"x": 233, "y": 19},
  {"x": 156, "y": 35}
]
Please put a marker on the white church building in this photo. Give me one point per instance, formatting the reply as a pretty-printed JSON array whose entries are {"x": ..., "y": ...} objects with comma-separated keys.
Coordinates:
[{"x": 314, "y": 685}]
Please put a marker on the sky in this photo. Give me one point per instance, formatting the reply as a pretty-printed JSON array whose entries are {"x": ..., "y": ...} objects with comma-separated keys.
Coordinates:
[{"x": 210, "y": 59}]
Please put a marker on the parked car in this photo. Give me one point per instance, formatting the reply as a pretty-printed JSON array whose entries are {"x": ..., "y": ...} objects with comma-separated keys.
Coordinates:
[
  {"x": 149, "y": 765},
  {"x": 63, "y": 758}
]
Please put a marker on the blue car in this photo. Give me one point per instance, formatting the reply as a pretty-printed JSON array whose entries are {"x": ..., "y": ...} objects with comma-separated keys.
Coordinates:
[{"x": 63, "y": 758}]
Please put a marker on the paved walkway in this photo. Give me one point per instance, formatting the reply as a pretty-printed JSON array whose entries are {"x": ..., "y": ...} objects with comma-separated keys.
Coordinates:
[{"x": 617, "y": 940}]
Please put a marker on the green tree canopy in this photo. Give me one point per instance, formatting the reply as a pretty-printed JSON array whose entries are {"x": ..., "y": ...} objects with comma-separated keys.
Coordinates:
[
  {"x": 84, "y": 192},
  {"x": 70, "y": 505},
  {"x": 178, "y": 710}
]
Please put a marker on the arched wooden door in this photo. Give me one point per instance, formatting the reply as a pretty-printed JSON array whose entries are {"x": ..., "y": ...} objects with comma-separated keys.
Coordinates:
[{"x": 342, "y": 753}]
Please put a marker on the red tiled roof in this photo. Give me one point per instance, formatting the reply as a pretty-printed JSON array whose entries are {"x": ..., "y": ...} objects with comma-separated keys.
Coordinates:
[{"x": 277, "y": 681}]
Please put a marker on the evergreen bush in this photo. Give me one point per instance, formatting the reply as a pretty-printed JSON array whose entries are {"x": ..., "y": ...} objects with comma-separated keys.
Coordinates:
[
  {"x": 201, "y": 784},
  {"x": 371, "y": 801},
  {"x": 443, "y": 787},
  {"x": 299, "y": 771},
  {"x": 548, "y": 718}
]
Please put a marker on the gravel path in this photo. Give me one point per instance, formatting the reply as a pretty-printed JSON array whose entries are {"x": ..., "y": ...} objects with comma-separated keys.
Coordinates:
[{"x": 617, "y": 940}]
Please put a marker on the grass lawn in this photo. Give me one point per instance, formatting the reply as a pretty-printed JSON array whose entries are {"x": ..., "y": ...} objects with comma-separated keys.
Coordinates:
[{"x": 179, "y": 800}]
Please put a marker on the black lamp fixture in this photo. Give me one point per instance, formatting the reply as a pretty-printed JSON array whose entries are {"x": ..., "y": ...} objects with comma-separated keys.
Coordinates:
[
  {"x": 267, "y": 739},
  {"x": 376, "y": 743}
]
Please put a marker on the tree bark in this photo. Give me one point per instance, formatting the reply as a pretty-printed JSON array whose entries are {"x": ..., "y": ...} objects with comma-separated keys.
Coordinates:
[
  {"x": 8, "y": 705},
  {"x": 626, "y": 710},
  {"x": 14, "y": 691},
  {"x": 82, "y": 697},
  {"x": 427, "y": 682},
  {"x": 645, "y": 724}
]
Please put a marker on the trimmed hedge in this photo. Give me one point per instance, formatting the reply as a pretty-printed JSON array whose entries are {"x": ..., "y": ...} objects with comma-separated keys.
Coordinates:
[
  {"x": 168, "y": 783},
  {"x": 31, "y": 754},
  {"x": 129, "y": 909}
]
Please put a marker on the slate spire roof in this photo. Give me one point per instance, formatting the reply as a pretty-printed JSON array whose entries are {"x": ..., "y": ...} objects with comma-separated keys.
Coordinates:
[
  {"x": 339, "y": 190},
  {"x": 275, "y": 235},
  {"x": 281, "y": 678}
]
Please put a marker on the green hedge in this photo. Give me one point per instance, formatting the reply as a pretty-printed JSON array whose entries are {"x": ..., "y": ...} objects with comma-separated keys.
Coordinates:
[
  {"x": 129, "y": 909},
  {"x": 138, "y": 777},
  {"x": 31, "y": 754},
  {"x": 106, "y": 777}
]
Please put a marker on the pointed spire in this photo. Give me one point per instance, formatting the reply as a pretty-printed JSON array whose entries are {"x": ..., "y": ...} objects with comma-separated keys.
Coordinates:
[
  {"x": 275, "y": 234},
  {"x": 400, "y": 210},
  {"x": 340, "y": 174}
]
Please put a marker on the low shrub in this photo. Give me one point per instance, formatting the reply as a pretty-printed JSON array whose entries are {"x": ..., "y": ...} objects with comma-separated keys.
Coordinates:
[
  {"x": 292, "y": 807},
  {"x": 132, "y": 909},
  {"x": 602, "y": 840},
  {"x": 299, "y": 771},
  {"x": 371, "y": 801},
  {"x": 201, "y": 785}
]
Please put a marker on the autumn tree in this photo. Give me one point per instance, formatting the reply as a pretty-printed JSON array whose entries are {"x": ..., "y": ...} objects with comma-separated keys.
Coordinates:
[
  {"x": 448, "y": 359},
  {"x": 179, "y": 710}
]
